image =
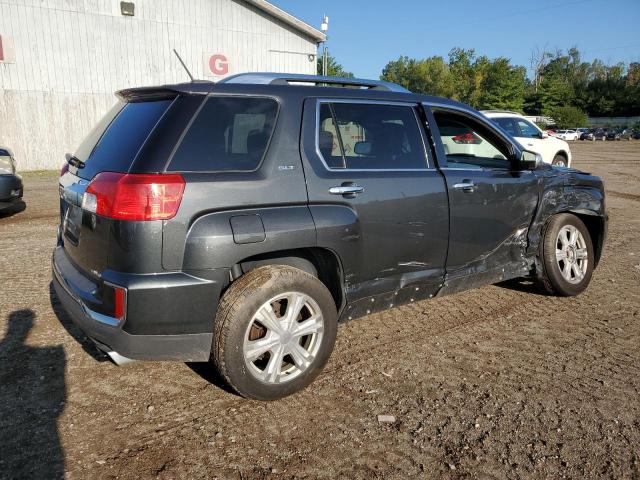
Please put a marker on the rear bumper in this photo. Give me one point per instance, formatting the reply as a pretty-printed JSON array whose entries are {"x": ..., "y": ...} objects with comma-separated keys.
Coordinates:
[
  {"x": 10, "y": 190},
  {"x": 164, "y": 323}
]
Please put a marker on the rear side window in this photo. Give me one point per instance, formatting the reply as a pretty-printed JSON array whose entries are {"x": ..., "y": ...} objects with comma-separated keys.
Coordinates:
[
  {"x": 115, "y": 141},
  {"x": 370, "y": 137},
  {"x": 229, "y": 134}
]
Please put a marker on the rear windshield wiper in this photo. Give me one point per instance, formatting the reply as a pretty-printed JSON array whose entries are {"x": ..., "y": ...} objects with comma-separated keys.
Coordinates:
[{"x": 74, "y": 161}]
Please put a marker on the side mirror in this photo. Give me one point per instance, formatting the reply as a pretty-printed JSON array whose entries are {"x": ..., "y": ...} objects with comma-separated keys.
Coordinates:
[
  {"x": 530, "y": 160},
  {"x": 362, "y": 148},
  {"x": 544, "y": 135}
]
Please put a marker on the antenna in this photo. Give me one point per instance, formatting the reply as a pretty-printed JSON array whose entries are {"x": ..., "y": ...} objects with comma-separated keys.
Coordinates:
[{"x": 184, "y": 65}]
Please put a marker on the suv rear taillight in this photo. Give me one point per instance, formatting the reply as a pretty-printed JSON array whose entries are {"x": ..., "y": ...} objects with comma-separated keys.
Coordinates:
[{"x": 134, "y": 196}]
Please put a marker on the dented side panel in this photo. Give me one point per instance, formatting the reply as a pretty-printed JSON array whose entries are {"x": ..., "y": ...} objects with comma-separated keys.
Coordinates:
[
  {"x": 569, "y": 191},
  {"x": 489, "y": 226}
]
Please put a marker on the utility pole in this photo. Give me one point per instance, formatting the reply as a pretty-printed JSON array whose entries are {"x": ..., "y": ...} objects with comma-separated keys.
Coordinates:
[{"x": 324, "y": 27}]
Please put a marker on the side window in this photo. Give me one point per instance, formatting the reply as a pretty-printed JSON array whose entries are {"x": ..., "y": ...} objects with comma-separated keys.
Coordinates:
[
  {"x": 507, "y": 125},
  {"x": 370, "y": 137},
  {"x": 469, "y": 144},
  {"x": 328, "y": 139},
  {"x": 527, "y": 129},
  {"x": 229, "y": 134}
]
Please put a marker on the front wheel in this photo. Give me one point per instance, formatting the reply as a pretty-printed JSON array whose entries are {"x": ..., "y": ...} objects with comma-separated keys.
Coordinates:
[
  {"x": 274, "y": 332},
  {"x": 559, "y": 161},
  {"x": 566, "y": 256}
]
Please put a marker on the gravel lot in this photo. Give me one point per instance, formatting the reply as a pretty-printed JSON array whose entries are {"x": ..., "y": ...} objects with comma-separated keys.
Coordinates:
[{"x": 499, "y": 382}]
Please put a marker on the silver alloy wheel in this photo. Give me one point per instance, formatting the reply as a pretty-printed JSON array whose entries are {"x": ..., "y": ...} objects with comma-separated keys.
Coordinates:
[
  {"x": 283, "y": 337},
  {"x": 571, "y": 254},
  {"x": 560, "y": 163}
]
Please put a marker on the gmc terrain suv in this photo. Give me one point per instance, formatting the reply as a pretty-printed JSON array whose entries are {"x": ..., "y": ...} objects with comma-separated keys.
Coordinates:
[{"x": 238, "y": 222}]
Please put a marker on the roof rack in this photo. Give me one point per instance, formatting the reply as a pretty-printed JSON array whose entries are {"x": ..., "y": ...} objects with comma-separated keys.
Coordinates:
[
  {"x": 500, "y": 111},
  {"x": 268, "y": 78}
]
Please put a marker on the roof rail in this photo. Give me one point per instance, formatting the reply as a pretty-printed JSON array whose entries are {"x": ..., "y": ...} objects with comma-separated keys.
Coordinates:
[
  {"x": 500, "y": 111},
  {"x": 269, "y": 78}
]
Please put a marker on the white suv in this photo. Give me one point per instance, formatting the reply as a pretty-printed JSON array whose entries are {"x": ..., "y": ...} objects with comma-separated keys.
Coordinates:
[{"x": 552, "y": 149}]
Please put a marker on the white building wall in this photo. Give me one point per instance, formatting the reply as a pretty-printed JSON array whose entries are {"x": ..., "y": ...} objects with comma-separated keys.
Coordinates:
[{"x": 68, "y": 57}]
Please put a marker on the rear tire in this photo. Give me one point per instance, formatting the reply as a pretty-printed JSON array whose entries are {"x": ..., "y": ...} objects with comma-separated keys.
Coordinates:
[
  {"x": 274, "y": 332},
  {"x": 566, "y": 256}
]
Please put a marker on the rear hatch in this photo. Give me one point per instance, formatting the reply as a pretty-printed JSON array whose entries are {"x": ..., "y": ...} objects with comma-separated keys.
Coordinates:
[{"x": 112, "y": 146}]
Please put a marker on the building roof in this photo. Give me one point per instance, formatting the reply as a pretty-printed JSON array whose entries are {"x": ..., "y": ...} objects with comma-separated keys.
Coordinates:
[{"x": 289, "y": 19}]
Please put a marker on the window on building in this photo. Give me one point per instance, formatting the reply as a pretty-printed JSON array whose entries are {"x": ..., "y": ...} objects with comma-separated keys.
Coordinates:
[{"x": 229, "y": 134}]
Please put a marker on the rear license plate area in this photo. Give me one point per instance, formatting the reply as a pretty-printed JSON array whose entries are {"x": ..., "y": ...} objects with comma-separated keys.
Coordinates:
[{"x": 72, "y": 223}]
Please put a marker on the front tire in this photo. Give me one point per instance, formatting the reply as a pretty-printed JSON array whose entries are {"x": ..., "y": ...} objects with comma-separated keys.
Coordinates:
[
  {"x": 559, "y": 161},
  {"x": 566, "y": 256},
  {"x": 274, "y": 332}
]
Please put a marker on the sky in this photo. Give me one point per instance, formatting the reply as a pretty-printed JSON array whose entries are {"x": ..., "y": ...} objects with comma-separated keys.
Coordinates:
[{"x": 365, "y": 34}]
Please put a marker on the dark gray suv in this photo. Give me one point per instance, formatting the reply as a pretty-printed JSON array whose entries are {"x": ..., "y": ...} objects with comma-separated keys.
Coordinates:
[{"x": 238, "y": 222}]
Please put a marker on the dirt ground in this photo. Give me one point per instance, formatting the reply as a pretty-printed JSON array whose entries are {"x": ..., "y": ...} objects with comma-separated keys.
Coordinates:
[{"x": 499, "y": 382}]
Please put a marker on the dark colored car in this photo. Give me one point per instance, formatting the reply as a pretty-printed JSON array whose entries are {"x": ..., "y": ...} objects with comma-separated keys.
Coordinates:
[
  {"x": 238, "y": 222},
  {"x": 613, "y": 135},
  {"x": 600, "y": 134},
  {"x": 10, "y": 182},
  {"x": 587, "y": 135},
  {"x": 626, "y": 134}
]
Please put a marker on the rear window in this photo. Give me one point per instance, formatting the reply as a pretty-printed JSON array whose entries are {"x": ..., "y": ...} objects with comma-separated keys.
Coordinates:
[
  {"x": 229, "y": 134},
  {"x": 115, "y": 141}
]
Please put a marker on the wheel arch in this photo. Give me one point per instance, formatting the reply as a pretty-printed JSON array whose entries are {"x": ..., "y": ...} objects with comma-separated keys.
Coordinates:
[
  {"x": 322, "y": 263},
  {"x": 596, "y": 226}
]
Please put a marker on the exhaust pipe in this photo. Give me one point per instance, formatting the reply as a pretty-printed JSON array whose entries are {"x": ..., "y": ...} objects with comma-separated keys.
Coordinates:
[{"x": 119, "y": 359}]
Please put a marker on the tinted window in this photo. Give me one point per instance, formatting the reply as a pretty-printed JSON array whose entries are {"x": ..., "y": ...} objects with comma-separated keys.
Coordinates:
[
  {"x": 328, "y": 141},
  {"x": 115, "y": 141},
  {"x": 527, "y": 129},
  {"x": 469, "y": 144},
  {"x": 230, "y": 133},
  {"x": 370, "y": 136},
  {"x": 507, "y": 125}
]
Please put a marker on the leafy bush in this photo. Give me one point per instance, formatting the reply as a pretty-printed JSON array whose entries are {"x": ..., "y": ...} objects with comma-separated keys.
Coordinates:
[{"x": 567, "y": 117}]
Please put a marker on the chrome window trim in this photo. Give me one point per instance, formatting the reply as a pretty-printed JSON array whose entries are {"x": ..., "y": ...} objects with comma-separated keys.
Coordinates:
[{"x": 411, "y": 105}]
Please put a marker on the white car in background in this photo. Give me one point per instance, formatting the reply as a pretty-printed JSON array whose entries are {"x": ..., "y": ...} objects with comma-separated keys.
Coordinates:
[
  {"x": 552, "y": 149},
  {"x": 567, "y": 135}
]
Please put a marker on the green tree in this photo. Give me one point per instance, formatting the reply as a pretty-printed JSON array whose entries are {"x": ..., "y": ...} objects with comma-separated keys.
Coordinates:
[
  {"x": 566, "y": 117},
  {"x": 554, "y": 92},
  {"x": 477, "y": 81},
  {"x": 560, "y": 80},
  {"x": 502, "y": 85},
  {"x": 430, "y": 76},
  {"x": 466, "y": 75},
  {"x": 334, "y": 69}
]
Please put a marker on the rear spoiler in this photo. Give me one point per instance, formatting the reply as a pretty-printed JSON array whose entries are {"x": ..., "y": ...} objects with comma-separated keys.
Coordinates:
[{"x": 141, "y": 94}]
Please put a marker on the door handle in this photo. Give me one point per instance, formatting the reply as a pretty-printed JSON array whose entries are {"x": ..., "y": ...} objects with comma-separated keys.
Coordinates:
[
  {"x": 346, "y": 190},
  {"x": 465, "y": 186}
]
